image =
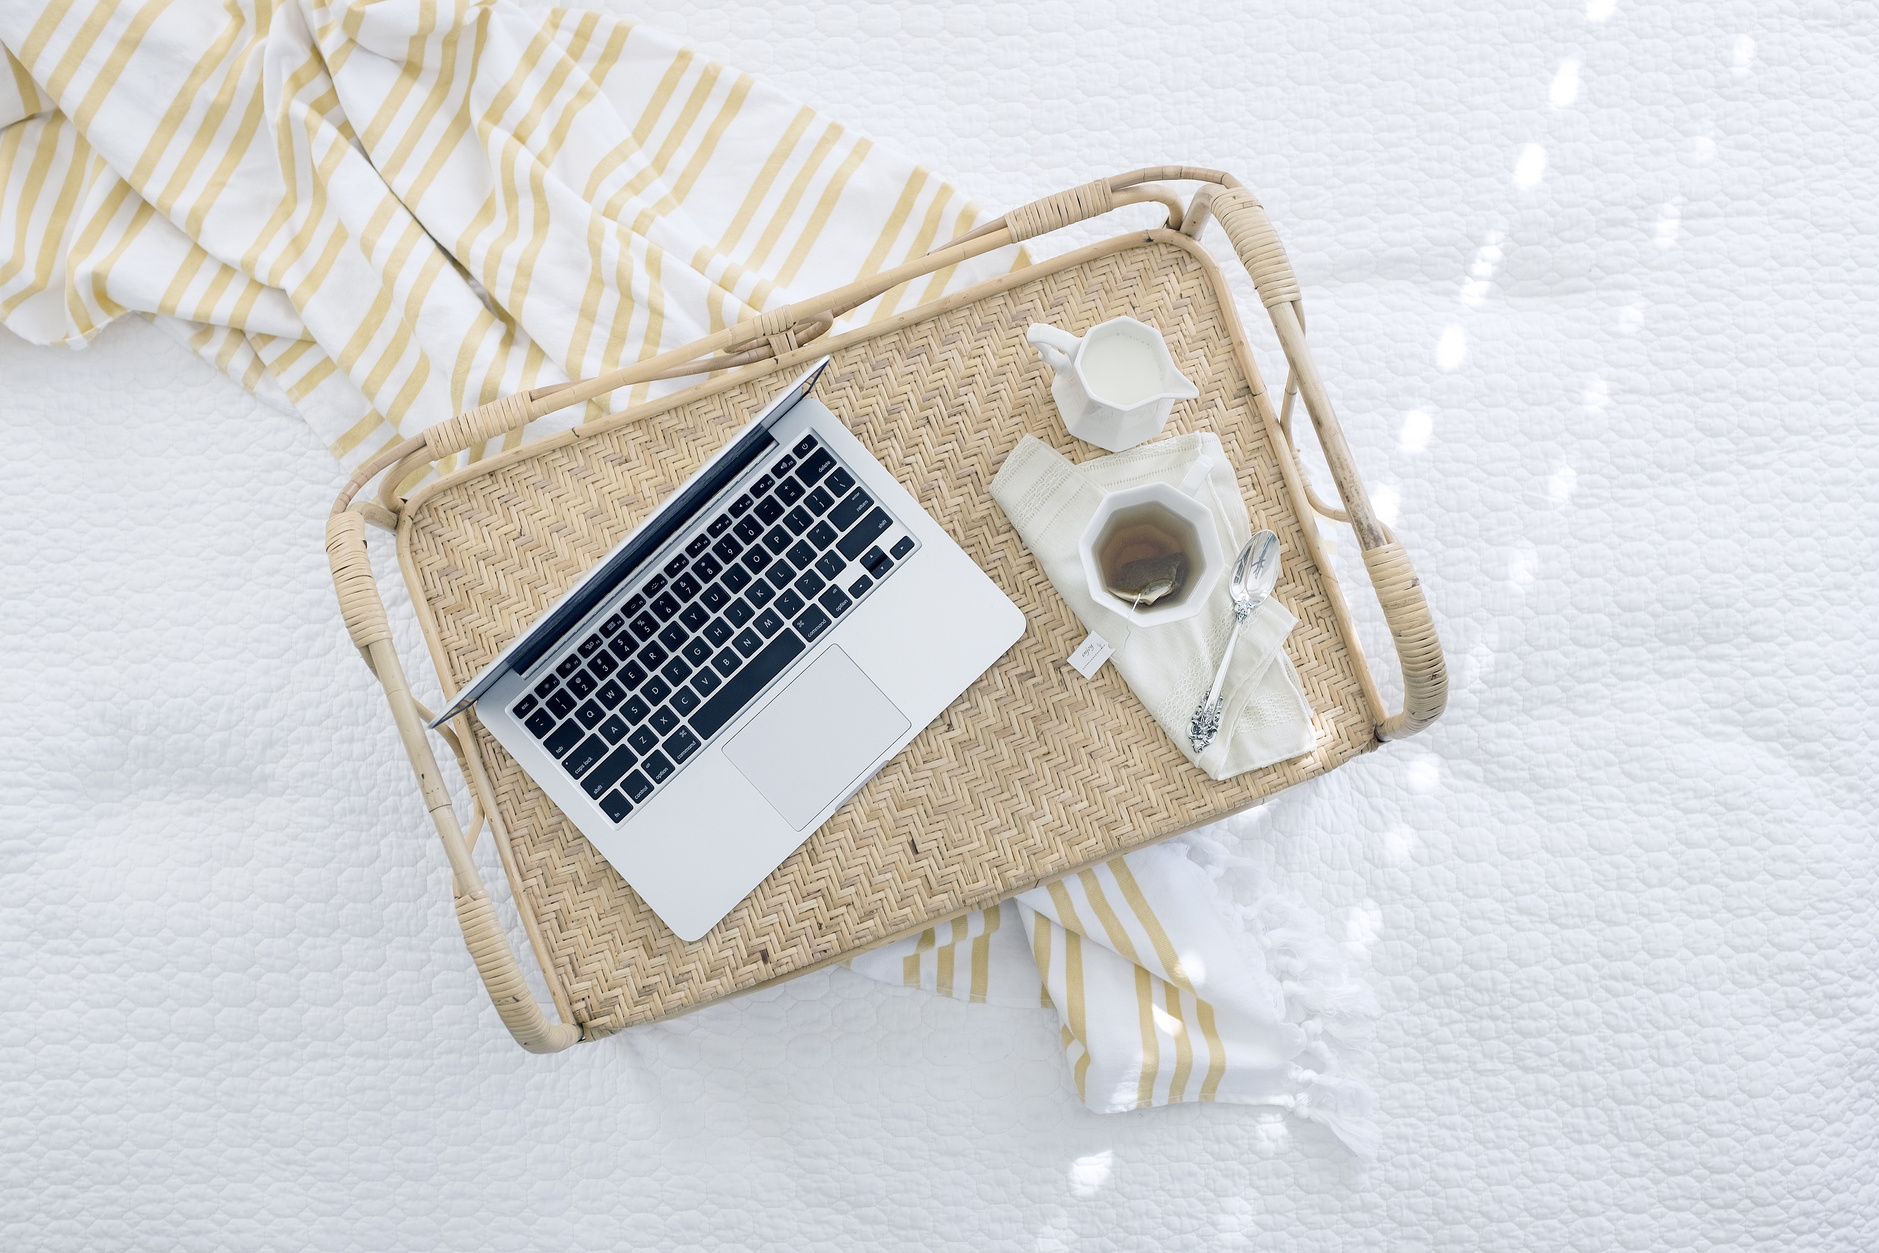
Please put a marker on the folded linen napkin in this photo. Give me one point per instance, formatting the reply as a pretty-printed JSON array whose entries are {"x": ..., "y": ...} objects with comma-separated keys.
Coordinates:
[{"x": 1169, "y": 667}]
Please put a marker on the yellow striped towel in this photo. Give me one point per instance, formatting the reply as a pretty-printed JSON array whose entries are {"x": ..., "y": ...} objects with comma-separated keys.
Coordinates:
[
  {"x": 382, "y": 213},
  {"x": 1166, "y": 989}
]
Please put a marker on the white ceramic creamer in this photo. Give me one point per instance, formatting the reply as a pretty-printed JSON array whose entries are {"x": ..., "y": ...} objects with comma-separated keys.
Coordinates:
[{"x": 1114, "y": 387}]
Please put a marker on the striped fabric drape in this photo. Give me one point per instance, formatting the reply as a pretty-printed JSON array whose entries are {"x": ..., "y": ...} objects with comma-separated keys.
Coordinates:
[{"x": 383, "y": 213}]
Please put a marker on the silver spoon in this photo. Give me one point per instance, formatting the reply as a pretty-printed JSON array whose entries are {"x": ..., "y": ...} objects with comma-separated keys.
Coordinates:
[{"x": 1253, "y": 576}]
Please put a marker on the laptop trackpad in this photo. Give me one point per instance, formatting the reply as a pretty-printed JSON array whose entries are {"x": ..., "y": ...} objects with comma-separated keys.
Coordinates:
[{"x": 813, "y": 742}]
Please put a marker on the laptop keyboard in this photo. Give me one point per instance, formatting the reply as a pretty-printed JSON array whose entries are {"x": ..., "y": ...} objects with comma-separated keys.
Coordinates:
[{"x": 689, "y": 646}]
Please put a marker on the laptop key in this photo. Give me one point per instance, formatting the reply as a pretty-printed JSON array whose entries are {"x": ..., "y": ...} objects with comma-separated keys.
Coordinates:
[
  {"x": 651, "y": 655},
  {"x": 645, "y": 626},
  {"x": 566, "y": 736},
  {"x": 756, "y": 559},
  {"x": 839, "y": 482},
  {"x": 776, "y": 540},
  {"x": 612, "y": 625},
  {"x": 658, "y": 767},
  {"x": 608, "y": 772},
  {"x": 568, "y": 665},
  {"x": 547, "y": 685},
  {"x": 591, "y": 644},
  {"x": 859, "y": 586},
  {"x": 602, "y": 664},
  {"x": 736, "y": 579},
  {"x": 616, "y": 806},
  {"x": 769, "y": 623},
  {"x": 798, "y": 520},
  {"x": 590, "y": 751},
  {"x": 719, "y": 525},
  {"x": 614, "y": 728},
  {"x": 698, "y": 544},
  {"x": 812, "y": 623},
  {"x": 644, "y": 740},
  {"x": 782, "y": 574},
  {"x": 540, "y": 723},
  {"x": 789, "y": 604},
  {"x": 656, "y": 690},
  {"x": 760, "y": 594},
  {"x": 769, "y": 509},
  {"x": 809, "y": 584},
  {"x": 901, "y": 548},
  {"x": 704, "y": 682},
  {"x": 590, "y": 714},
  {"x": 698, "y": 651},
  {"x": 610, "y": 694},
  {"x": 582, "y": 684},
  {"x": 685, "y": 700},
  {"x": 801, "y": 555},
  {"x": 685, "y": 586},
  {"x": 654, "y": 585},
  {"x": 747, "y": 642},
  {"x": 695, "y": 616},
  {"x": 834, "y": 602},
  {"x": 706, "y": 568},
  {"x": 822, "y": 535},
  {"x": 818, "y": 501},
  {"x": 673, "y": 637},
  {"x": 635, "y": 710},
  {"x": 631, "y": 675},
  {"x": 748, "y": 529},
  {"x": 561, "y": 704},
  {"x": 717, "y": 633},
  {"x": 663, "y": 720},
  {"x": 783, "y": 467},
  {"x": 850, "y": 510},
  {"x": 636, "y": 785},
  {"x": 738, "y": 613},
  {"x": 666, "y": 607},
  {"x": 632, "y": 607},
  {"x": 828, "y": 565},
  {"x": 715, "y": 597},
  {"x": 815, "y": 467},
  {"x": 526, "y": 705},
  {"x": 726, "y": 662},
  {"x": 872, "y": 558},
  {"x": 676, "y": 671},
  {"x": 866, "y": 532},
  {"x": 804, "y": 445},
  {"x": 761, "y": 486},
  {"x": 739, "y": 505},
  {"x": 742, "y": 688},
  {"x": 789, "y": 491},
  {"x": 681, "y": 744},
  {"x": 727, "y": 548}
]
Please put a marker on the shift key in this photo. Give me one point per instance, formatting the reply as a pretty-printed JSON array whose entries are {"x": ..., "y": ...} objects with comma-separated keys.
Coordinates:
[
  {"x": 741, "y": 688},
  {"x": 865, "y": 533}
]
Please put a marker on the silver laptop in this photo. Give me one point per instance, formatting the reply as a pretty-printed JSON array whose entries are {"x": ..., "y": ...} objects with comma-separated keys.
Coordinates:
[{"x": 743, "y": 661}]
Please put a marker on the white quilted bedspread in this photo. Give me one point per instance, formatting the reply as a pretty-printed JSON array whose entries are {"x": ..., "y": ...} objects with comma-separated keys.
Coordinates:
[{"x": 1604, "y": 343}]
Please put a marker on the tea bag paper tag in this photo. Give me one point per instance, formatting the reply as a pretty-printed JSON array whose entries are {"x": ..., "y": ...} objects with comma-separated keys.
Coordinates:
[{"x": 1090, "y": 655}]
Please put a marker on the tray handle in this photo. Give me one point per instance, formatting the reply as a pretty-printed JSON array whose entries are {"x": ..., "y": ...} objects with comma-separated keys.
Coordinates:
[
  {"x": 1399, "y": 591},
  {"x": 364, "y": 613}
]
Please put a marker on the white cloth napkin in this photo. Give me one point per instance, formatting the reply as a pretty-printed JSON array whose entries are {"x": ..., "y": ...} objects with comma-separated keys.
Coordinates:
[{"x": 1264, "y": 717}]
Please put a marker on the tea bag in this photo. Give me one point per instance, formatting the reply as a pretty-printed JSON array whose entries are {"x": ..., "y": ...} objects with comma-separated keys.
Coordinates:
[{"x": 1147, "y": 579}]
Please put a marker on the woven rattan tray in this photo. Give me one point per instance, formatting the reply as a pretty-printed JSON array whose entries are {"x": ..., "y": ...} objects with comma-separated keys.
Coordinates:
[{"x": 1033, "y": 772}]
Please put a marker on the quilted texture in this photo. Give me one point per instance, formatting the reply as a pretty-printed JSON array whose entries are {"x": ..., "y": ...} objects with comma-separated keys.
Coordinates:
[{"x": 1618, "y": 905}]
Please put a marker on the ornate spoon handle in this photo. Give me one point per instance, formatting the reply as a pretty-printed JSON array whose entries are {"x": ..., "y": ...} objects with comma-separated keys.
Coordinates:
[{"x": 1206, "y": 721}]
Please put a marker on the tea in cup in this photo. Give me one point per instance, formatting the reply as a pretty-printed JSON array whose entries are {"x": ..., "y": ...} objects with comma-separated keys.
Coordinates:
[{"x": 1151, "y": 554}]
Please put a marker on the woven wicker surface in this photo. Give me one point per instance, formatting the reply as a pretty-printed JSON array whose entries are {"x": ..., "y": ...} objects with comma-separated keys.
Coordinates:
[{"x": 1034, "y": 771}]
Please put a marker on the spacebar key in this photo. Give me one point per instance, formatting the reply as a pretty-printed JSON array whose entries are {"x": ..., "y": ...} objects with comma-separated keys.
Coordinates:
[{"x": 746, "y": 683}]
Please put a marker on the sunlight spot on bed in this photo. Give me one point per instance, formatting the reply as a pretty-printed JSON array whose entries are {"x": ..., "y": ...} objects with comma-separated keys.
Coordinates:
[
  {"x": 1452, "y": 349},
  {"x": 1523, "y": 567},
  {"x": 1530, "y": 168},
  {"x": 1560, "y": 486},
  {"x": 1596, "y": 396},
  {"x": 1400, "y": 844},
  {"x": 1744, "y": 55},
  {"x": 1565, "y": 88},
  {"x": 1425, "y": 774},
  {"x": 1599, "y": 10},
  {"x": 1167, "y": 1023},
  {"x": 1386, "y": 500},
  {"x": 1630, "y": 318},
  {"x": 1089, "y": 1174},
  {"x": 1669, "y": 221},
  {"x": 1418, "y": 426}
]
